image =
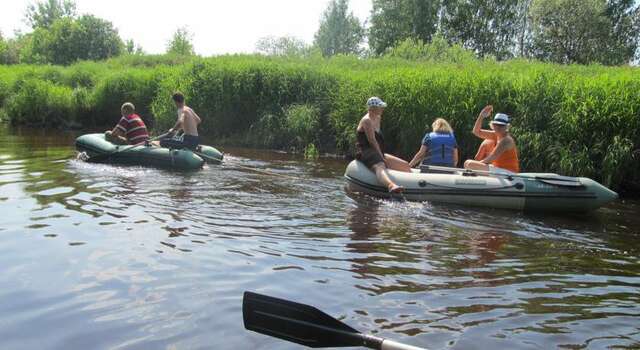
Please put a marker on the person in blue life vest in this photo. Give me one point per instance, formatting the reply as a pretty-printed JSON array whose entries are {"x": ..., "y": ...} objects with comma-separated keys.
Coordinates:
[{"x": 439, "y": 147}]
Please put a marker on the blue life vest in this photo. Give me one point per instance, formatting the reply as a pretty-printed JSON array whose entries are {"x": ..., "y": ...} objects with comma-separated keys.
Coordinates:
[{"x": 440, "y": 147}]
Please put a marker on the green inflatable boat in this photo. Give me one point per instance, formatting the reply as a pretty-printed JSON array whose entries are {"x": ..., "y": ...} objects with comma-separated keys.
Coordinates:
[{"x": 96, "y": 147}]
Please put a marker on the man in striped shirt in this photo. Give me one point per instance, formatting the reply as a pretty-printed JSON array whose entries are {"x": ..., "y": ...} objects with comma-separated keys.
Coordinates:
[{"x": 130, "y": 129}]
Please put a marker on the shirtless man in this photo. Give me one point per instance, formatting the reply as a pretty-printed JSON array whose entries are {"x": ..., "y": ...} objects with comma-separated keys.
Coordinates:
[{"x": 188, "y": 122}]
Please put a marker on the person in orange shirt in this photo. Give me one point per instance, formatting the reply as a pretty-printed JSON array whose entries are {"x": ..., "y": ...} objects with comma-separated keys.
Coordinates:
[
  {"x": 504, "y": 157},
  {"x": 485, "y": 149}
]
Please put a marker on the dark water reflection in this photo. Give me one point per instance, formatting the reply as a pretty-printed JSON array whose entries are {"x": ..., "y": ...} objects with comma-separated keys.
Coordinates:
[{"x": 97, "y": 256}]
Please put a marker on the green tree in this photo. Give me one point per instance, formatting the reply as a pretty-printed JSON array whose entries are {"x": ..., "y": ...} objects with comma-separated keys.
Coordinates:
[
  {"x": 181, "y": 43},
  {"x": 69, "y": 40},
  {"x": 582, "y": 31},
  {"x": 4, "y": 48},
  {"x": 340, "y": 31},
  {"x": 488, "y": 27},
  {"x": 282, "y": 46},
  {"x": 391, "y": 23},
  {"x": 132, "y": 48},
  {"x": 625, "y": 18},
  {"x": 438, "y": 50},
  {"x": 43, "y": 13},
  {"x": 97, "y": 39}
]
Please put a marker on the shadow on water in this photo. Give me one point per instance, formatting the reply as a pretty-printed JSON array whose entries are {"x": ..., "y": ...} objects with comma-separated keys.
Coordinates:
[{"x": 131, "y": 257}]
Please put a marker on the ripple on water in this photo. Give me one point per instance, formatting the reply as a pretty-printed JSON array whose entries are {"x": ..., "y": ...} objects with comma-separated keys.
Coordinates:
[{"x": 130, "y": 257}]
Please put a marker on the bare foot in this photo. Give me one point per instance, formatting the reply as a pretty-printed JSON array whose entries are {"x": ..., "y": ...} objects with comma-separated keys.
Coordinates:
[{"x": 393, "y": 188}]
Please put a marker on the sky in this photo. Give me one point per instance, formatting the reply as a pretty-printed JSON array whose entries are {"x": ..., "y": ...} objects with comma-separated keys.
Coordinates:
[{"x": 218, "y": 27}]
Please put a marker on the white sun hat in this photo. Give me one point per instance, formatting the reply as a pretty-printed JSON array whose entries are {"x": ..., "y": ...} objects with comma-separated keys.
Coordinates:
[
  {"x": 501, "y": 119},
  {"x": 374, "y": 102}
]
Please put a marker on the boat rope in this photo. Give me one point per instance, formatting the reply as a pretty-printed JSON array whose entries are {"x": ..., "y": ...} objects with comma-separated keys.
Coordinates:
[{"x": 270, "y": 173}]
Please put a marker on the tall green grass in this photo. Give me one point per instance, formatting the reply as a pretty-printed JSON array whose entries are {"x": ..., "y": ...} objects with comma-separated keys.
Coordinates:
[{"x": 575, "y": 120}]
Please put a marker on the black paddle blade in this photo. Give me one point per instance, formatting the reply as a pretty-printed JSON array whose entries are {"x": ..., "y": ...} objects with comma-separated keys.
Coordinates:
[{"x": 298, "y": 323}]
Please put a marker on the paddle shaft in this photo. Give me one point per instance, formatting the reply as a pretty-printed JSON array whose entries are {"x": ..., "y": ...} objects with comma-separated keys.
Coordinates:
[
  {"x": 306, "y": 325},
  {"x": 485, "y": 172},
  {"x": 367, "y": 340}
]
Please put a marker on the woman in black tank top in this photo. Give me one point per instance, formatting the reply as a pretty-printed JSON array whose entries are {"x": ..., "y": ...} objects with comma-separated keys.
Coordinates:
[{"x": 370, "y": 146}]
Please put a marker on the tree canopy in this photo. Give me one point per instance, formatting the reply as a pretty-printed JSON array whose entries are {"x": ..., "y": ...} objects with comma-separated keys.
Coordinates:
[
  {"x": 181, "y": 43},
  {"x": 340, "y": 31},
  {"x": 584, "y": 31},
  {"x": 562, "y": 31},
  {"x": 69, "y": 40},
  {"x": 42, "y": 14},
  {"x": 282, "y": 46}
]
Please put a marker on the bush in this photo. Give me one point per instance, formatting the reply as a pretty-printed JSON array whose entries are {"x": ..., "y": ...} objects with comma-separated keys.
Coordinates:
[
  {"x": 38, "y": 102},
  {"x": 302, "y": 122},
  {"x": 575, "y": 120},
  {"x": 131, "y": 85},
  {"x": 438, "y": 50}
]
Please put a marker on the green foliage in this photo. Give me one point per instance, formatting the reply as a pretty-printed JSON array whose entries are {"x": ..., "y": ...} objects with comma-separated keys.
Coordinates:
[
  {"x": 311, "y": 152},
  {"x": 131, "y": 85},
  {"x": 487, "y": 27},
  {"x": 68, "y": 40},
  {"x": 43, "y": 13},
  {"x": 575, "y": 120},
  {"x": 391, "y": 23},
  {"x": 181, "y": 43},
  {"x": 288, "y": 46},
  {"x": 39, "y": 102},
  {"x": 340, "y": 31},
  {"x": 583, "y": 31},
  {"x": 438, "y": 50},
  {"x": 9, "y": 51},
  {"x": 132, "y": 48},
  {"x": 302, "y": 122}
]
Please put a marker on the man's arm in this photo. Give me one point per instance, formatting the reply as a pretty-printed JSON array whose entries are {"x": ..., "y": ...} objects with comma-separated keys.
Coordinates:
[
  {"x": 477, "y": 127},
  {"x": 178, "y": 125},
  {"x": 121, "y": 128}
]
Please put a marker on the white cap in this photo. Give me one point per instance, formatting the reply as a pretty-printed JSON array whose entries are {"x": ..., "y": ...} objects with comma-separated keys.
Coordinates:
[
  {"x": 500, "y": 119},
  {"x": 374, "y": 102}
]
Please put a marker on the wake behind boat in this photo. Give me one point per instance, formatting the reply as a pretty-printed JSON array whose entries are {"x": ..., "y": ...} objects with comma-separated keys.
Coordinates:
[{"x": 524, "y": 191}]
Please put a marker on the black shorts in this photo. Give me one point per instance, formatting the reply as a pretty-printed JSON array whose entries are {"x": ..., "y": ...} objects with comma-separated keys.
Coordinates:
[
  {"x": 186, "y": 141},
  {"x": 369, "y": 157}
]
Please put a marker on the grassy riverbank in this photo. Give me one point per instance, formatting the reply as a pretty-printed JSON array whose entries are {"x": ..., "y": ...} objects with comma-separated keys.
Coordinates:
[{"x": 573, "y": 120}]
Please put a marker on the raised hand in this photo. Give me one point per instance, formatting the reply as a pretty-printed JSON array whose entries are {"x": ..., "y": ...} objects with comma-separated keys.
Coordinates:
[{"x": 486, "y": 111}]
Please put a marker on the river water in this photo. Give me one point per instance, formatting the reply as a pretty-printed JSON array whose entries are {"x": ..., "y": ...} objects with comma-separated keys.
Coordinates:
[{"x": 107, "y": 257}]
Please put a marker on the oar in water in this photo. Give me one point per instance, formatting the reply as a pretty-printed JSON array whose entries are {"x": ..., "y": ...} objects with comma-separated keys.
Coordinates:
[
  {"x": 306, "y": 325},
  {"x": 101, "y": 157}
]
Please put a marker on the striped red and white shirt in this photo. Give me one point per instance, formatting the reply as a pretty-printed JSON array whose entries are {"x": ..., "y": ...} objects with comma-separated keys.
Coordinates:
[{"x": 134, "y": 129}]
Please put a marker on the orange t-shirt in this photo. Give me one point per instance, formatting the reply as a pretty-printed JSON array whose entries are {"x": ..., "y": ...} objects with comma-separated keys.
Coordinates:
[
  {"x": 508, "y": 160},
  {"x": 486, "y": 147}
]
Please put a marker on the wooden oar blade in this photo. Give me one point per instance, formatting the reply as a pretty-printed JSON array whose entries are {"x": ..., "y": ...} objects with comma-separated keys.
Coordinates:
[{"x": 294, "y": 322}]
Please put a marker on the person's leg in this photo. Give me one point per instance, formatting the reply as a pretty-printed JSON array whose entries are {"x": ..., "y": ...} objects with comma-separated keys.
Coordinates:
[
  {"x": 396, "y": 163},
  {"x": 191, "y": 142},
  {"x": 381, "y": 173},
  {"x": 475, "y": 165},
  {"x": 171, "y": 143}
]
